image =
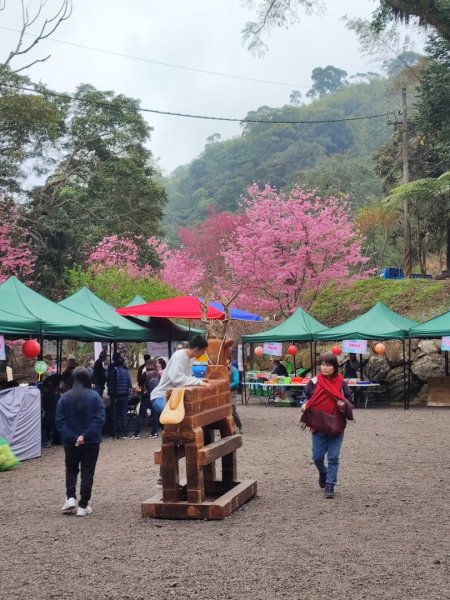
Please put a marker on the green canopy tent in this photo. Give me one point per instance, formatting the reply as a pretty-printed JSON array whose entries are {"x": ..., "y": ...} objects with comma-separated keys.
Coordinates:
[
  {"x": 432, "y": 329},
  {"x": 25, "y": 312},
  {"x": 299, "y": 327},
  {"x": 14, "y": 326},
  {"x": 86, "y": 304},
  {"x": 378, "y": 323},
  {"x": 163, "y": 329}
]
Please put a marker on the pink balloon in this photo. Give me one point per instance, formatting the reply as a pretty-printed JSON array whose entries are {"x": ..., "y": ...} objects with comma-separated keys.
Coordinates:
[{"x": 259, "y": 350}]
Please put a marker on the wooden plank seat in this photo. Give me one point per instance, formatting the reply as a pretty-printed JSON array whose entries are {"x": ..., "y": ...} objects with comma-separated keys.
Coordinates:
[
  {"x": 218, "y": 449},
  {"x": 209, "y": 453}
]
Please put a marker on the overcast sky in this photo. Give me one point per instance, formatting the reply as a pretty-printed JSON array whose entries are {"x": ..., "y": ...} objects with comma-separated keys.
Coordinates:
[{"x": 195, "y": 34}]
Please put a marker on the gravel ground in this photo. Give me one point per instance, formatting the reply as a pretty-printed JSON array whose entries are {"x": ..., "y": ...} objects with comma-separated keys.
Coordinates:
[{"x": 385, "y": 535}]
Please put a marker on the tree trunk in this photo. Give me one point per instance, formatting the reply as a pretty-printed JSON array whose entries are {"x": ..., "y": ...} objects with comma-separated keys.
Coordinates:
[
  {"x": 448, "y": 247},
  {"x": 431, "y": 12}
]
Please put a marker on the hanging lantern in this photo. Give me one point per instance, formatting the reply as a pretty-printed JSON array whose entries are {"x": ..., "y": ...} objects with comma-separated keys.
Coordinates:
[
  {"x": 292, "y": 350},
  {"x": 31, "y": 348},
  {"x": 259, "y": 351},
  {"x": 336, "y": 350},
  {"x": 40, "y": 367},
  {"x": 380, "y": 348}
]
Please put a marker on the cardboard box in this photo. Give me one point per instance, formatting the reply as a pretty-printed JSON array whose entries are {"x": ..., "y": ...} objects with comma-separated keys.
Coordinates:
[{"x": 438, "y": 391}]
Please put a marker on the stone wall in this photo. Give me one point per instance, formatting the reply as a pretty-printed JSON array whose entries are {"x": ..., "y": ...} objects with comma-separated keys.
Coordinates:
[{"x": 427, "y": 360}]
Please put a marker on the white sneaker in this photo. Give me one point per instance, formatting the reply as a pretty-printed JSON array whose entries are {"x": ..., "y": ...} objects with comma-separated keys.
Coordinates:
[
  {"x": 83, "y": 512},
  {"x": 69, "y": 506}
]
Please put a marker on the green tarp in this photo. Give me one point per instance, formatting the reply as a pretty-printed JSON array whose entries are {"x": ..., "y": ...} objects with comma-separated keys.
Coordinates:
[
  {"x": 162, "y": 329},
  {"x": 434, "y": 328},
  {"x": 86, "y": 304},
  {"x": 25, "y": 312},
  {"x": 378, "y": 323},
  {"x": 300, "y": 326},
  {"x": 13, "y": 325}
]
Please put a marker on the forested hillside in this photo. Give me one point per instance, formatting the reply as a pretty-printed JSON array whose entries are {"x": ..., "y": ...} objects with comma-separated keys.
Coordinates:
[{"x": 334, "y": 157}]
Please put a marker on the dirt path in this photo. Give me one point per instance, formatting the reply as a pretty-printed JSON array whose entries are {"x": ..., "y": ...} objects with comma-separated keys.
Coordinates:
[{"x": 386, "y": 535}]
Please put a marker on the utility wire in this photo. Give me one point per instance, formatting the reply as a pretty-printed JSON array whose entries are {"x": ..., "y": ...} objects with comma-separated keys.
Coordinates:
[
  {"x": 163, "y": 64},
  {"x": 189, "y": 116}
]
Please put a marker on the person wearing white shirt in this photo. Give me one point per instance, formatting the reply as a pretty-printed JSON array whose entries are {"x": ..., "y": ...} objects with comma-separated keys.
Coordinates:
[{"x": 178, "y": 373}]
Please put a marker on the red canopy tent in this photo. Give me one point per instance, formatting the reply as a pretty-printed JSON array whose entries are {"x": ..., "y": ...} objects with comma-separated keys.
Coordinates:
[{"x": 181, "y": 307}]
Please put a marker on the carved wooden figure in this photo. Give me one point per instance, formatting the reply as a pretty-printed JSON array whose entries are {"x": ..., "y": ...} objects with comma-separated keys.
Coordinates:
[{"x": 207, "y": 410}]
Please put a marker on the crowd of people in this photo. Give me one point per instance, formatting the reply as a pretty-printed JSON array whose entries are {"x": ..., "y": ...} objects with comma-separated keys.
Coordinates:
[{"x": 82, "y": 405}]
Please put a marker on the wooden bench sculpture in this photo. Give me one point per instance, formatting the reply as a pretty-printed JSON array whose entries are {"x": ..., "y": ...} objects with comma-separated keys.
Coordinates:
[{"x": 205, "y": 412}]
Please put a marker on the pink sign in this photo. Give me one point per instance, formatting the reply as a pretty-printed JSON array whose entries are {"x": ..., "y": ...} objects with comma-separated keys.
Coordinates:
[
  {"x": 273, "y": 348},
  {"x": 354, "y": 346}
]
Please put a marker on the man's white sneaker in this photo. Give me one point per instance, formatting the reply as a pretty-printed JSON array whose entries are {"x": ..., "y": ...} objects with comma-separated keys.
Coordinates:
[
  {"x": 69, "y": 506},
  {"x": 83, "y": 512}
]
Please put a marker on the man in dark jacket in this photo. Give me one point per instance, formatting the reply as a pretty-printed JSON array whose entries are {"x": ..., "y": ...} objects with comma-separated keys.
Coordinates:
[
  {"x": 279, "y": 368},
  {"x": 50, "y": 395},
  {"x": 119, "y": 388},
  {"x": 99, "y": 375}
]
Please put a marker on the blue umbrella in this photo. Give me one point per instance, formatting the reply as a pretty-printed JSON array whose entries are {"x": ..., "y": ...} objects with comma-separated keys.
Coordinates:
[{"x": 236, "y": 314}]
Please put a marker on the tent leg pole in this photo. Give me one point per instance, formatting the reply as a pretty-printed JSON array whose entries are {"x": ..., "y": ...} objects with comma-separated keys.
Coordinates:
[
  {"x": 311, "y": 356},
  {"x": 244, "y": 377},
  {"x": 446, "y": 362},
  {"x": 314, "y": 365},
  {"x": 41, "y": 343},
  {"x": 405, "y": 400},
  {"x": 59, "y": 344},
  {"x": 409, "y": 371}
]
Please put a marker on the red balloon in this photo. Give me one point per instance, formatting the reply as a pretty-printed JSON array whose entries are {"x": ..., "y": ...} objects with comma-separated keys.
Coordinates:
[
  {"x": 336, "y": 350},
  {"x": 292, "y": 350},
  {"x": 380, "y": 348},
  {"x": 31, "y": 348},
  {"x": 259, "y": 350}
]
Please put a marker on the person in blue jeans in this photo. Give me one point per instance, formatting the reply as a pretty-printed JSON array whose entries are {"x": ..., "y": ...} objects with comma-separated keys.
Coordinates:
[
  {"x": 234, "y": 386},
  {"x": 119, "y": 388},
  {"x": 178, "y": 373},
  {"x": 148, "y": 381},
  {"x": 327, "y": 392}
]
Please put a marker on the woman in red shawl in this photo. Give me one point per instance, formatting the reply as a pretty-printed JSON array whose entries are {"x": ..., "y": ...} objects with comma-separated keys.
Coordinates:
[{"x": 327, "y": 393}]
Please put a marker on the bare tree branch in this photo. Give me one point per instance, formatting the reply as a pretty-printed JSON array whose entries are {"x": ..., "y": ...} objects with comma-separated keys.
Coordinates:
[
  {"x": 32, "y": 63},
  {"x": 48, "y": 27}
]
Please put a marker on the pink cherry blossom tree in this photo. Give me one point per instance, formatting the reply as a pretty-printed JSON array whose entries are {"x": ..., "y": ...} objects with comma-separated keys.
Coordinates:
[
  {"x": 199, "y": 266},
  {"x": 119, "y": 252},
  {"x": 290, "y": 247},
  {"x": 16, "y": 257}
]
